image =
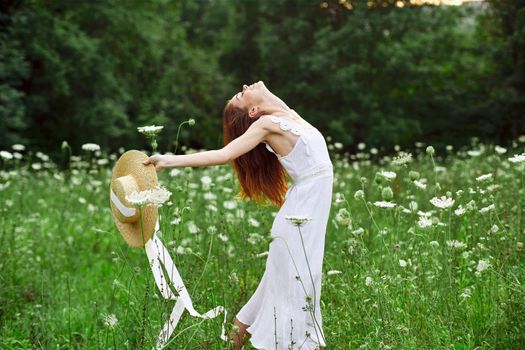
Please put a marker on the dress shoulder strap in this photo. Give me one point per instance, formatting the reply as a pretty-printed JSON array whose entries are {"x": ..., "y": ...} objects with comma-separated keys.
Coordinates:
[{"x": 286, "y": 125}]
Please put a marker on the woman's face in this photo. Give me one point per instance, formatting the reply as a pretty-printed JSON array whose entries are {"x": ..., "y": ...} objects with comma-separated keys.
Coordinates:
[{"x": 250, "y": 97}]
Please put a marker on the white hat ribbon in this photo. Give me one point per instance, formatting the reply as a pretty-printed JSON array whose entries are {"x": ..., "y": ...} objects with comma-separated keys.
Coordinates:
[{"x": 158, "y": 255}]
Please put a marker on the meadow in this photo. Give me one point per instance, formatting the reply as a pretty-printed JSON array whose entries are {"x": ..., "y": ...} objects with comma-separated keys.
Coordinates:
[{"x": 424, "y": 250}]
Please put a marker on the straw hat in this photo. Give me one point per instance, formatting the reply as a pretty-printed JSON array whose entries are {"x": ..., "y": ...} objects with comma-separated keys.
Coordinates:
[{"x": 129, "y": 174}]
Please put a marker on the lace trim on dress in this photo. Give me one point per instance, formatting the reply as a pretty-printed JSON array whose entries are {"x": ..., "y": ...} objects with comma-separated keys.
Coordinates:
[{"x": 287, "y": 126}]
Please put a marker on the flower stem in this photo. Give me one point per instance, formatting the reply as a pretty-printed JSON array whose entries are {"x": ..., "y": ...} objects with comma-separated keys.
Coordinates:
[{"x": 312, "y": 279}]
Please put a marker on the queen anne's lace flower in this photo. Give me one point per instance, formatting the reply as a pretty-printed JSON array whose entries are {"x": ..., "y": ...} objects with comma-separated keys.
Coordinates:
[
  {"x": 482, "y": 265},
  {"x": 487, "y": 209},
  {"x": 500, "y": 150},
  {"x": 91, "y": 147},
  {"x": 389, "y": 175},
  {"x": 18, "y": 147},
  {"x": 518, "y": 158},
  {"x": 138, "y": 198},
  {"x": 442, "y": 202},
  {"x": 456, "y": 244},
  {"x": 421, "y": 184},
  {"x": 368, "y": 280},
  {"x": 424, "y": 222},
  {"x": 384, "y": 204},
  {"x": 298, "y": 220},
  {"x": 156, "y": 197},
  {"x": 333, "y": 272},
  {"x": 484, "y": 177},
  {"x": 110, "y": 321},
  {"x": 150, "y": 130},
  {"x": 402, "y": 159},
  {"x": 6, "y": 155},
  {"x": 159, "y": 196}
]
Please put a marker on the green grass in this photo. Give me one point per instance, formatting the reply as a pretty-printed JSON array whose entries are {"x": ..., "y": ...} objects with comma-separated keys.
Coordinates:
[{"x": 64, "y": 265}]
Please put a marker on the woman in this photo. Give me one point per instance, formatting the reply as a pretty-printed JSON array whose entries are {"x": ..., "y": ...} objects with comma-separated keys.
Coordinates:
[{"x": 265, "y": 139}]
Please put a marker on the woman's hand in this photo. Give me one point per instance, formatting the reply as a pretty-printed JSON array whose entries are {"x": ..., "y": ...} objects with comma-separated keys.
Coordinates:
[{"x": 160, "y": 161}]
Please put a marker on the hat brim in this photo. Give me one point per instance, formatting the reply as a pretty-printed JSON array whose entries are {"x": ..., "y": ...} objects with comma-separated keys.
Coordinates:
[{"x": 146, "y": 177}]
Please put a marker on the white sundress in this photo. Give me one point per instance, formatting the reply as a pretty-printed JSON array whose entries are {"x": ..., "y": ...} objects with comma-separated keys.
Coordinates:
[{"x": 276, "y": 311}]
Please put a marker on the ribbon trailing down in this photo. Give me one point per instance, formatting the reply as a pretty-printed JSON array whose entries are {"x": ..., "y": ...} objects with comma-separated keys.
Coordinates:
[{"x": 158, "y": 256}]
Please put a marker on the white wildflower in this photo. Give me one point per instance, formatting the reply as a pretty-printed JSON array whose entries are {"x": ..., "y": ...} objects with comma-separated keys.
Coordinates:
[
  {"x": 402, "y": 158},
  {"x": 254, "y": 237},
  {"x": 424, "y": 222},
  {"x": 402, "y": 263},
  {"x": 434, "y": 243},
  {"x": 487, "y": 209},
  {"x": 361, "y": 146},
  {"x": 91, "y": 147},
  {"x": 230, "y": 204},
  {"x": 456, "y": 244},
  {"x": 421, "y": 183},
  {"x": 482, "y": 265},
  {"x": 333, "y": 272},
  {"x": 175, "y": 172},
  {"x": 18, "y": 147},
  {"x": 384, "y": 204},
  {"x": 475, "y": 153},
  {"x": 223, "y": 237},
  {"x": 6, "y": 155},
  {"x": 343, "y": 216},
  {"x": 209, "y": 196},
  {"x": 254, "y": 222},
  {"x": 459, "y": 211},
  {"x": 298, "y": 220},
  {"x": 150, "y": 130},
  {"x": 426, "y": 214},
  {"x": 389, "y": 175},
  {"x": 192, "y": 227},
  {"x": 358, "y": 232},
  {"x": 339, "y": 197},
  {"x": 368, "y": 280},
  {"x": 359, "y": 194},
  {"x": 110, "y": 321},
  {"x": 484, "y": 177},
  {"x": 138, "y": 198},
  {"x": 466, "y": 293},
  {"x": 500, "y": 150},
  {"x": 158, "y": 196},
  {"x": 206, "y": 180},
  {"x": 44, "y": 157},
  {"x": 443, "y": 202},
  {"x": 518, "y": 158},
  {"x": 413, "y": 206}
]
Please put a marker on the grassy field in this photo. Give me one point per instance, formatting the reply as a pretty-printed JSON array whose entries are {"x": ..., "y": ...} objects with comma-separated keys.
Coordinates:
[{"x": 401, "y": 271}]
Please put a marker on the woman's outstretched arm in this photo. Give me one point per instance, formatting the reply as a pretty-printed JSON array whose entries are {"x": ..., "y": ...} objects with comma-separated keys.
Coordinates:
[{"x": 255, "y": 134}]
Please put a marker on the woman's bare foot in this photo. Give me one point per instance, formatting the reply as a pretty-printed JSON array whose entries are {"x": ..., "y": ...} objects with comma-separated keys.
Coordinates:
[{"x": 239, "y": 334}]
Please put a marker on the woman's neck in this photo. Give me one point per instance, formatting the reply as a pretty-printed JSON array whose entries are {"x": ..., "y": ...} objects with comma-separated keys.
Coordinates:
[{"x": 275, "y": 108}]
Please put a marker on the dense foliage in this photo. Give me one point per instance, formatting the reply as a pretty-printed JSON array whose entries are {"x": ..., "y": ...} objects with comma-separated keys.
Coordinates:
[{"x": 360, "y": 70}]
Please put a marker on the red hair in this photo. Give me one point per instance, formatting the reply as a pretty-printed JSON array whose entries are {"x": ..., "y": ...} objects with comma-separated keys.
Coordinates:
[{"x": 259, "y": 172}]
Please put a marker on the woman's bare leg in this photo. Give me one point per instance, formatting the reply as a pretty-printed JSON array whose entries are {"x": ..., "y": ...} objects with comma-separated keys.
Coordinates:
[{"x": 239, "y": 335}]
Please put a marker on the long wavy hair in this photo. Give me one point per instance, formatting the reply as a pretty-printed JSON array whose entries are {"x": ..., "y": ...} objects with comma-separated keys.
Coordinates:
[{"x": 259, "y": 172}]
